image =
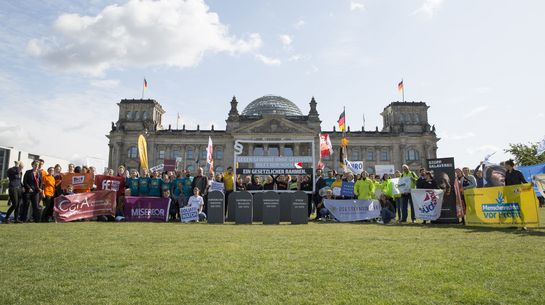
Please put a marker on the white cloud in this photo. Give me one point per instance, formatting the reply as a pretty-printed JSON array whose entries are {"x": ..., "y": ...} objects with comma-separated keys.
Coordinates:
[
  {"x": 105, "y": 83},
  {"x": 473, "y": 112},
  {"x": 285, "y": 39},
  {"x": 428, "y": 8},
  {"x": 138, "y": 33},
  {"x": 17, "y": 136},
  {"x": 483, "y": 149},
  {"x": 456, "y": 136},
  {"x": 299, "y": 24},
  {"x": 268, "y": 60},
  {"x": 356, "y": 5}
]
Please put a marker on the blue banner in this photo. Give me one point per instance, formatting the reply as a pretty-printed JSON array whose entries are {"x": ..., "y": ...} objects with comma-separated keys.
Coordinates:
[
  {"x": 353, "y": 210},
  {"x": 530, "y": 171},
  {"x": 347, "y": 189}
]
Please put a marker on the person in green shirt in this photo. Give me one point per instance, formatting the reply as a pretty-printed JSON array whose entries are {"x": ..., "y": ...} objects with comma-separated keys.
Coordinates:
[
  {"x": 143, "y": 183},
  {"x": 155, "y": 185},
  {"x": 133, "y": 183},
  {"x": 364, "y": 188},
  {"x": 406, "y": 198}
]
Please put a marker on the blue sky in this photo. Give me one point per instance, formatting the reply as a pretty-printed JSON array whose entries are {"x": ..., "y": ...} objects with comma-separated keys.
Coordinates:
[{"x": 477, "y": 64}]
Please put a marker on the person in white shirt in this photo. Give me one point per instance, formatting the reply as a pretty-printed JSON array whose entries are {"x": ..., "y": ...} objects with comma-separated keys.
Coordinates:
[{"x": 198, "y": 202}]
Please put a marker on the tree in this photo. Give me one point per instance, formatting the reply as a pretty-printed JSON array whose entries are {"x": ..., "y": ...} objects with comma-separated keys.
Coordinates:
[{"x": 525, "y": 154}]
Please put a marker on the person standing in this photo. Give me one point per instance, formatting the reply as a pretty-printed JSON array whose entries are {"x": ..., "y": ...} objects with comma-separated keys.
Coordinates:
[
  {"x": 364, "y": 189},
  {"x": 201, "y": 181},
  {"x": 406, "y": 199},
  {"x": 513, "y": 176},
  {"x": 32, "y": 182},
  {"x": 49, "y": 194},
  {"x": 229, "y": 184},
  {"x": 15, "y": 190},
  {"x": 317, "y": 199}
]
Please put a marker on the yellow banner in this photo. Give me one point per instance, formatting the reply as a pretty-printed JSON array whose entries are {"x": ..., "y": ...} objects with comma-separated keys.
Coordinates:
[
  {"x": 502, "y": 206},
  {"x": 143, "y": 151}
]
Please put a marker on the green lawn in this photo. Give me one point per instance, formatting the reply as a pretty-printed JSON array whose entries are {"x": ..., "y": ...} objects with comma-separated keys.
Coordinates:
[{"x": 326, "y": 263}]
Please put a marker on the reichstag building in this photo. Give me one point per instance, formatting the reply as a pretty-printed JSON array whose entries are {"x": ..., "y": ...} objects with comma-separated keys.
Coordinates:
[{"x": 406, "y": 137}]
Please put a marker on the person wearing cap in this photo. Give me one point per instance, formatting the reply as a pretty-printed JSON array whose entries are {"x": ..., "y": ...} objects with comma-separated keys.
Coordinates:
[{"x": 15, "y": 190}]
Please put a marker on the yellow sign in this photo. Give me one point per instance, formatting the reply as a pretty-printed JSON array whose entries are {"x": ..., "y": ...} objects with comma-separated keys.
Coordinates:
[
  {"x": 143, "y": 152},
  {"x": 502, "y": 206}
]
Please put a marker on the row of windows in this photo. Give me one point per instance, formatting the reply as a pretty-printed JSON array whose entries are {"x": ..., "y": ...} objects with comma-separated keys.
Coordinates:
[
  {"x": 384, "y": 155},
  {"x": 135, "y": 115},
  {"x": 190, "y": 154}
]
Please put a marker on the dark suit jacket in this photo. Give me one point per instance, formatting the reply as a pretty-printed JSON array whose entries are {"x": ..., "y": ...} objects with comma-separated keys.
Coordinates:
[{"x": 29, "y": 183}]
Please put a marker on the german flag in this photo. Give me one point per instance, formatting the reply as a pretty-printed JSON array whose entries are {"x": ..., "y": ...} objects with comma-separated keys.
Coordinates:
[
  {"x": 400, "y": 86},
  {"x": 341, "y": 122}
]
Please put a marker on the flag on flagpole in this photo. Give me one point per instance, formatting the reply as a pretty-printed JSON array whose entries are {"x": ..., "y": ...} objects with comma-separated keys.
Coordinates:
[
  {"x": 209, "y": 151},
  {"x": 326, "y": 149},
  {"x": 400, "y": 87},
  {"x": 540, "y": 147},
  {"x": 341, "y": 121},
  {"x": 145, "y": 84}
]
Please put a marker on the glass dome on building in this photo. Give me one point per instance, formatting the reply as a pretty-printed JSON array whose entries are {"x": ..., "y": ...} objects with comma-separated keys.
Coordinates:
[{"x": 272, "y": 104}]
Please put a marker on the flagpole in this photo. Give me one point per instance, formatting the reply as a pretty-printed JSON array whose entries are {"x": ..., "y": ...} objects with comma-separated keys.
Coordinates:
[
  {"x": 143, "y": 87},
  {"x": 403, "y": 91}
]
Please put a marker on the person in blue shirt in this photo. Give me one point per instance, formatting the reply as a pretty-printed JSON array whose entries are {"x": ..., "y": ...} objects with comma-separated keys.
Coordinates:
[
  {"x": 166, "y": 184},
  {"x": 133, "y": 183},
  {"x": 177, "y": 187},
  {"x": 187, "y": 190},
  {"x": 155, "y": 185},
  {"x": 144, "y": 183}
]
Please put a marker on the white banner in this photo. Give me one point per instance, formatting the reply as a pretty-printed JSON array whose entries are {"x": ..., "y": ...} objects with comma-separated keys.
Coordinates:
[
  {"x": 356, "y": 167},
  {"x": 384, "y": 169},
  {"x": 404, "y": 185},
  {"x": 427, "y": 203},
  {"x": 395, "y": 183},
  {"x": 188, "y": 214},
  {"x": 353, "y": 210},
  {"x": 158, "y": 168},
  {"x": 216, "y": 186},
  {"x": 539, "y": 181}
]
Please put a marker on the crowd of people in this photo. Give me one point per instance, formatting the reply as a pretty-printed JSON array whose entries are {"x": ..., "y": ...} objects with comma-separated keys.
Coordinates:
[{"x": 34, "y": 190}]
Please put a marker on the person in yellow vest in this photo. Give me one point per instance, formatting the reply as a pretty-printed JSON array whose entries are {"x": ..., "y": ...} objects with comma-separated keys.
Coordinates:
[
  {"x": 406, "y": 196},
  {"x": 228, "y": 183},
  {"x": 364, "y": 188},
  {"x": 397, "y": 196}
]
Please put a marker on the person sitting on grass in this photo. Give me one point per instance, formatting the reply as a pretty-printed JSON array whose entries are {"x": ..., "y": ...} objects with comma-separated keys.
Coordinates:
[
  {"x": 196, "y": 201},
  {"x": 321, "y": 210},
  {"x": 387, "y": 211}
]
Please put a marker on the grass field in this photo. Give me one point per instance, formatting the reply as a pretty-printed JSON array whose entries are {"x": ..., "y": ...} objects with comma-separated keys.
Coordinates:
[{"x": 325, "y": 263}]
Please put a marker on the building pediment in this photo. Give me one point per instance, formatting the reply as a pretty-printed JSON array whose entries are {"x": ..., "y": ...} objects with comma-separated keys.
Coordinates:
[{"x": 273, "y": 125}]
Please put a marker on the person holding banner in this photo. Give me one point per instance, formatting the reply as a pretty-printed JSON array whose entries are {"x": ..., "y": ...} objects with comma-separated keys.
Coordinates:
[
  {"x": 144, "y": 183},
  {"x": 397, "y": 195},
  {"x": 154, "y": 185},
  {"x": 133, "y": 183},
  {"x": 196, "y": 201},
  {"x": 428, "y": 183},
  {"x": 513, "y": 176},
  {"x": 406, "y": 199}
]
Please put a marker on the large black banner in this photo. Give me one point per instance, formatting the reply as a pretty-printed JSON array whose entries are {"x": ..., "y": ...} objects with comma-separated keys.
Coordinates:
[{"x": 443, "y": 173}]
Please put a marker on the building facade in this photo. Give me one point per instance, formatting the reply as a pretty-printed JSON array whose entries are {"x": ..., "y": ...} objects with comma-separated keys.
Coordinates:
[{"x": 405, "y": 138}]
